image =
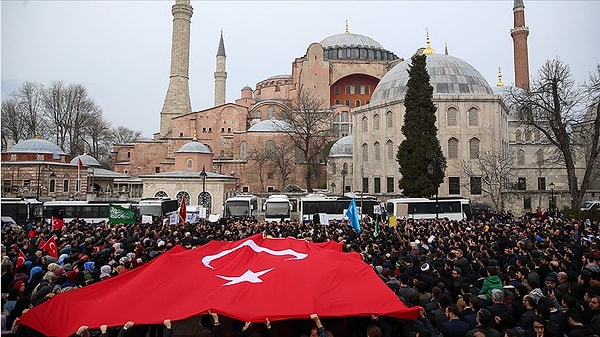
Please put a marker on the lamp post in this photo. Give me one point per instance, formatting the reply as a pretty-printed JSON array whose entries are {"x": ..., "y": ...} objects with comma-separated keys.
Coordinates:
[
  {"x": 344, "y": 172},
  {"x": 552, "y": 204},
  {"x": 203, "y": 176}
]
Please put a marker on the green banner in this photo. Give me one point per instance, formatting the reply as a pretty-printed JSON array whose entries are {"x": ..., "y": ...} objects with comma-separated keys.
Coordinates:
[{"x": 120, "y": 214}]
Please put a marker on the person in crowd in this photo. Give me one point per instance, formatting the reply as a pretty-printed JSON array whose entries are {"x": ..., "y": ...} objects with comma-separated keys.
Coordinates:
[
  {"x": 454, "y": 327},
  {"x": 484, "y": 322}
]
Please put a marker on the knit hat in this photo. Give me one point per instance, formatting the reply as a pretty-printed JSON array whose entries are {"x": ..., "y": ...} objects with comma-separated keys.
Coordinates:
[{"x": 458, "y": 270}]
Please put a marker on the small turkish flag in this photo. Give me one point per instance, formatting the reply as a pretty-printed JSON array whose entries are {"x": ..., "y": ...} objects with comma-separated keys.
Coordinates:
[
  {"x": 79, "y": 163},
  {"x": 21, "y": 258},
  {"x": 50, "y": 247},
  {"x": 57, "y": 223}
]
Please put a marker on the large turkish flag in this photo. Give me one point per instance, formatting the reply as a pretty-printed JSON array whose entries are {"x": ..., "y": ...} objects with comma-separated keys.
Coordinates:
[{"x": 249, "y": 280}]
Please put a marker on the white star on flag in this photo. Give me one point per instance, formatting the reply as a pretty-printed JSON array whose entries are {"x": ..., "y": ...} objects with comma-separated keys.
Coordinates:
[{"x": 248, "y": 276}]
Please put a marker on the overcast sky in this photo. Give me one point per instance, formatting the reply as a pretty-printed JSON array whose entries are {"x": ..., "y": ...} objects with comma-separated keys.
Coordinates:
[{"x": 120, "y": 50}]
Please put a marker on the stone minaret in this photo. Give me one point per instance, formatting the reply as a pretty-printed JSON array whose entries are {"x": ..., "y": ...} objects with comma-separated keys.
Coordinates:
[
  {"x": 220, "y": 74},
  {"x": 177, "y": 101},
  {"x": 519, "y": 35}
]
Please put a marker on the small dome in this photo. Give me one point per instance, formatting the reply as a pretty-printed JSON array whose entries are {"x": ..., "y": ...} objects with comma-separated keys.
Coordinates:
[
  {"x": 270, "y": 125},
  {"x": 342, "y": 148},
  {"x": 36, "y": 146},
  {"x": 194, "y": 147},
  {"x": 448, "y": 75},
  {"x": 246, "y": 88},
  {"x": 87, "y": 160}
]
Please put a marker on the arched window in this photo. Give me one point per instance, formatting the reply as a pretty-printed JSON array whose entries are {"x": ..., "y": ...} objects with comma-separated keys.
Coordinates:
[
  {"x": 377, "y": 150},
  {"x": 539, "y": 157},
  {"x": 390, "y": 150},
  {"x": 365, "y": 125},
  {"x": 161, "y": 194},
  {"x": 271, "y": 112},
  {"x": 518, "y": 136},
  {"x": 258, "y": 114},
  {"x": 270, "y": 147},
  {"x": 181, "y": 195},
  {"x": 345, "y": 117},
  {"x": 336, "y": 90},
  {"x": 365, "y": 152},
  {"x": 473, "y": 117},
  {"x": 333, "y": 168},
  {"x": 376, "y": 122},
  {"x": 337, "y": 102},
  {"x": 521, "y": 157},
  {"x": 452, "y": 117},
  {"x": 527, "y": 136},
  {"x": 357, "y": 103},
  {"x": 536, "y": 136},
  {"x": 205, "y": 200},
  {"x": 347, "y": 102},
  {"x": 474, "y": 148},
  {"x": 452, "y": 148},
  {"x": 243, "y": 150},
  {"x": 389, "y": 120}
]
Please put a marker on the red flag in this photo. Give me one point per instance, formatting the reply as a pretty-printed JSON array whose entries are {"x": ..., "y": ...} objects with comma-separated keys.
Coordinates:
[
  {"x": 57, "y": 223},
  {"x": 42, "y": 244},
  {"x": 49, "y": 247},
  {"x": 32, "y": 234},
  {"x": 79, "y": 163},
  {"x": 182, "y": 210},
  {"x": 249, "y": 280},
  {"x": 21, "y": 258}
]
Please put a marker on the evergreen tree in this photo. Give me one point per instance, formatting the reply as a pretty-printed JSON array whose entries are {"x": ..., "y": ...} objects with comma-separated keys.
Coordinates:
[{"x": 422, "y": 163}]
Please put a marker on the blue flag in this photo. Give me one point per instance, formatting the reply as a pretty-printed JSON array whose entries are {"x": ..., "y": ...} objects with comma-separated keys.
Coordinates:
[{"x": 352, "y": 214}]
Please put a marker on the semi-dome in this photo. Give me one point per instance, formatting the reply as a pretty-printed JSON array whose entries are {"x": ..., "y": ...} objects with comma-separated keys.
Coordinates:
[
  {"x": 36, "y": 145},
  {"x": 194, "y": 147},
  {"x": 342, "y": 148},
  {"x": 354, "y": 46},
  {"x": 271, "y": 125},
  {"x": 86, "y": 160},
  {"x": 448, "y": 75}
]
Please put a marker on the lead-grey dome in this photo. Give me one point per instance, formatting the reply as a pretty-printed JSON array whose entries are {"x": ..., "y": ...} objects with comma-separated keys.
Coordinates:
[
  {"x": 342, "y": 148},
  {"x": 271, "y": 125},
  {"x": 448, "y": 75},
  {"x": 194, "y": 147},
  {"x": 36, "y": 146},
  {"x": 86, "y": 160},
  {"x": 354, "y": 46}
]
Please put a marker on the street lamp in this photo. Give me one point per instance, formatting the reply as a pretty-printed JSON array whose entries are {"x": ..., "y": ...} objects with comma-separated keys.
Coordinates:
[
  {"x": 203, "y": 176},
  {"x": 344, "y": 172},
  {"x": 552, "y": 204}
]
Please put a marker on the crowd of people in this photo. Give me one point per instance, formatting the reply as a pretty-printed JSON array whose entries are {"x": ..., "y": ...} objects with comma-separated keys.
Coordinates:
[{"x": 498, "y": 275}]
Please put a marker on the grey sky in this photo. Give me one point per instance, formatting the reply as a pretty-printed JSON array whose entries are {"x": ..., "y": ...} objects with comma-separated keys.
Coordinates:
[{"x": 120, "y": 50}]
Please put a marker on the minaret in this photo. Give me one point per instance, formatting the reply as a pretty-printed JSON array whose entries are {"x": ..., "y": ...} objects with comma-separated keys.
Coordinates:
[
  {"x": 519, "y": 35},
  {"x": 220, "y": 74},
  {"x": 177, "y": 100}
]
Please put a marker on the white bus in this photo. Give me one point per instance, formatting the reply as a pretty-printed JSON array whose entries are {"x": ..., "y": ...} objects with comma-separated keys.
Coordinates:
[
  {"x": 277, "y": 208},
  {"x": 89, "y": 211},
  {"x": 334, "y": 207},
  {"x": 424, "y": 208},
  {"x": 241, "y": 206},
  {"x": 157, "y": 207}
]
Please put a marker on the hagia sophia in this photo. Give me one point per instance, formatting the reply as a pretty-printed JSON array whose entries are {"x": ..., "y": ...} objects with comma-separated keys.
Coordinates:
[{"x": 206, "y": 156}]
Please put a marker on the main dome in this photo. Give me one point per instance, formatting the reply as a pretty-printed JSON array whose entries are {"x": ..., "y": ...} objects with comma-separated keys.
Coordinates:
[
  {"x": 354, "y": 46},
  {"x": 448, "y": 75}
]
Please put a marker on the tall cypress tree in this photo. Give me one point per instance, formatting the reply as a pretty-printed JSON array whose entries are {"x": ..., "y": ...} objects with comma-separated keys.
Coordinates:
[{"x": 422, "y": 163}]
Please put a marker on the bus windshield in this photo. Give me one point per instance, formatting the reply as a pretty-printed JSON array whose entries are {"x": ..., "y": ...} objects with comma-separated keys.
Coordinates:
[
  {"x": 237, "y": 208},
  {"x": 277, "y": 209}
]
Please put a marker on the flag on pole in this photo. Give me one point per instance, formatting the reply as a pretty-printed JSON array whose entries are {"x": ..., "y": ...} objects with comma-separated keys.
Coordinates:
[
  {"x": 57, "y": 223},
  {"x": 50, "y": 248},
  {"x": 352, "y": 214},
  {"x": 79, "y": 163},
  {"x": 182, "y": 210},
  {"x": 376, "y": 233},
  {"x": 120, "y": 214},
  {"x": 21, "y": 258}
]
